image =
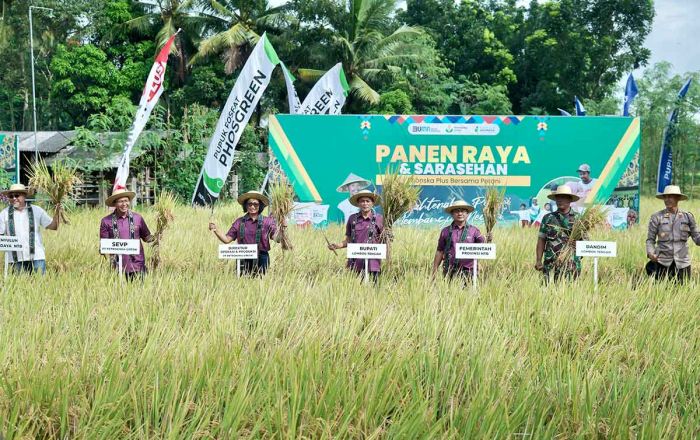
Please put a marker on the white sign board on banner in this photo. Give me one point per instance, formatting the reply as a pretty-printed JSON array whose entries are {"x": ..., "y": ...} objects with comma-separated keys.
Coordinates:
[
  {"x": 596, "y": 249},
  {"x": 238, "y": 251},
  {"x": 367, "y": 251},
  {"x": 120, "y": 247},
  {"x": 475, "y": 251},
  {"x": 10, "y": 243}
]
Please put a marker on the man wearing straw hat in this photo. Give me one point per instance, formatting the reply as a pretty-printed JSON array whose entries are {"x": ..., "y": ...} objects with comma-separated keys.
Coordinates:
[
  {"x": 363, "y": 227},
  {"x": 459, "y": 231},
  {"x": 353, "y": 183},
  {"x": 125, "y": 224},
  {"x": 252, "y": 228},
  {"x": 554, "y": 234},
  {"x": 22, "y": 219},
  {"x": 667, "y": 237}
]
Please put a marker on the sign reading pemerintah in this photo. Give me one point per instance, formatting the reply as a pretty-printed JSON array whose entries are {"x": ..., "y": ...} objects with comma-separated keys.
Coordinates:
[
  {"x": 240, "y": 105},
  {"x": 459, "y": 157}
]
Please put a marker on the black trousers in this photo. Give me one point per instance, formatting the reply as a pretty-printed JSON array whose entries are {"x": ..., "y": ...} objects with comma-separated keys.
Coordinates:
[
  {"x": 256, "y": 267},
  {"x": 671, "y": 272}
]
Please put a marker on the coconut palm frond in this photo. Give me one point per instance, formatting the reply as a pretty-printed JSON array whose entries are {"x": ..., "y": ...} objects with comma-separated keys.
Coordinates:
[{"x": 363, "y": 91}]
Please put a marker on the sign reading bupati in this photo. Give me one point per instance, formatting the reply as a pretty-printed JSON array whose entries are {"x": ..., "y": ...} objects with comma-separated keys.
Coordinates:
[
  {"x": 475, "y": 251},
  {"x": 596, "y": 249},
  {"x": 459, "y": 157},
  {"x": 367, "y": 251},
  {"x": 238, "y": 251},
  {"x": 10, "y": 243},
  {"x": 120, "y": 247}
]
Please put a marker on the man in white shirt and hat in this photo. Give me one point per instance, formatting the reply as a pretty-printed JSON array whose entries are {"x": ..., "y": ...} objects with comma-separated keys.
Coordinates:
[
  {"x": 667, "y": 237},
  {"x": 352, "y": 184},
  {"x": 23, "y": 219},
  {"x": 584, "y": 186}
]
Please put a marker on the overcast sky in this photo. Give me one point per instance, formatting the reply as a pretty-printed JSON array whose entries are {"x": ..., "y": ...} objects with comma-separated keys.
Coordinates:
[{"x": 674, "y": 35}]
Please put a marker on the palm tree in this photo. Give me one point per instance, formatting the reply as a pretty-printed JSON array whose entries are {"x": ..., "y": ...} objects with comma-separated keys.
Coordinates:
[
  {"x": 168, "y": 16},
  {"x": 242, "y": 23},
  {"x": 367, "y": 52}
]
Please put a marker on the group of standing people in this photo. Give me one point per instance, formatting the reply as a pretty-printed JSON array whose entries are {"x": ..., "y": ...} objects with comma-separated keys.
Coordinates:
[{"x": 666, "y": 245}]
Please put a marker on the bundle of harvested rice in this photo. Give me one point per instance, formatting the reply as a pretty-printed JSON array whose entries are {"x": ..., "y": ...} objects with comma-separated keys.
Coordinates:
[
  {"x": 493, "y": 203},
  {"x": 399, "y": 195},
  {"x": 57, "y": 184},
  {"x": 281, "y": 194},
  {"x": 164, "y": 208},
  {"x": 591, "y": 218}
]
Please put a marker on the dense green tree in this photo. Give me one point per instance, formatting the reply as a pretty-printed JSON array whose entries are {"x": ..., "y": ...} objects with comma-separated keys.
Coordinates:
[
  {"x": 370, "y": 45},
  {"x": 577, "y": 47}
]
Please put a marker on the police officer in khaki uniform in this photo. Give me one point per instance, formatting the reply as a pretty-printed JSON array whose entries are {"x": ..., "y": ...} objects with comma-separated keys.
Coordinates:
[{"x": 667, "y": 239}]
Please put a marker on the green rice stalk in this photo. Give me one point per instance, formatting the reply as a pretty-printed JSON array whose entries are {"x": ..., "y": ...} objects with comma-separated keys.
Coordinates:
[
  {"x": 164, "y": 208},
  {"x": 281, "y": 195},
  {"x": 493, "y": 204},
  {"x": 591, "y": 218},
  {"x": 57, "y": 184}
]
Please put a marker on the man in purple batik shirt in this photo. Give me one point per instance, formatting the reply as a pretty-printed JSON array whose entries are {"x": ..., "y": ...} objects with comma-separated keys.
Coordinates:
[
  {"x": 363, "y": 227},
  {"x": 459, "y": 231},
  {"x": 125, "y": 224},
  {"x": 252, "y": 228}
]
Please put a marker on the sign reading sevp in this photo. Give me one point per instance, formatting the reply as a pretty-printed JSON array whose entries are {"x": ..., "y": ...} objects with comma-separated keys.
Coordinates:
[
  {"x": 367, "y": 251},
  {"x": 596, "y": 249},
  {"x": 475, "y": 251},
  {"x": 120, "y": 247},
  {"x": 238, "y": 251}
]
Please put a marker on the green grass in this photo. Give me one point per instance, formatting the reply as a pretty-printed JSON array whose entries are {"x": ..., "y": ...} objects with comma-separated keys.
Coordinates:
[{"x": 310, "y": 352}]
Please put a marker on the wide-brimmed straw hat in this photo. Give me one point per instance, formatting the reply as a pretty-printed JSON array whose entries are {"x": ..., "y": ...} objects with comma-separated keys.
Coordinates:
[
  {"x": 118, "y": 194},
  {"x": 353, "y": 178},
  {"x": 354, "y": 200},
  {"x": 563, "y": 190},
  {"x": 459, "y": 204},
  {"x": 18, "y": 188},
  {"x": 672, "y": 190},
  {"x": 257, "y": 195}
]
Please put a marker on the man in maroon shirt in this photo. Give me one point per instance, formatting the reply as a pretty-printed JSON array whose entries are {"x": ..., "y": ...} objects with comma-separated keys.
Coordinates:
[
  {"x": 252, "y": 228},
  {"x": 363, "y": 227},
  {"x": 123, "y": 223},
  {"x": 459, "y": 231}
]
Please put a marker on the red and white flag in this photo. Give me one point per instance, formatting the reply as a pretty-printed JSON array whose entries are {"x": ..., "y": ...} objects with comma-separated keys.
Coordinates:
[{"x": 151, "y": 92}]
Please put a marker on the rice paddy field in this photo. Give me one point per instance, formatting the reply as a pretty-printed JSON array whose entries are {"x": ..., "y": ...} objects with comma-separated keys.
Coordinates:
[{"x": 311, "y": 352}]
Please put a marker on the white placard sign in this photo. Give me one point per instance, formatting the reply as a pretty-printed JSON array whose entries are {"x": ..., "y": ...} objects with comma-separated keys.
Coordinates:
[
  {"x": 114, "y": 246},
  {"x": 238, "y": 251},
  {"x": 10, "y": 243},
  {"x": 367, "y": 251},
  {"x": 596, "y": 249},
  {"x": 475, "y": 251}
]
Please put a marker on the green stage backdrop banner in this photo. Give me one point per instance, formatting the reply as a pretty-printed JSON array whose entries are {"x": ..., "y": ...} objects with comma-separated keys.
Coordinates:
[
  {"x": 458, "y": 157},
  {"x": 9, "y": 150}
]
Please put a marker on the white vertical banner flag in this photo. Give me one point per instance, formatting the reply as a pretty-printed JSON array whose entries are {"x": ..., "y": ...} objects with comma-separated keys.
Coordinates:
[
  {"x": 328, "y": 94},
  {"x": 292, "y": 97},
  {"x": 239, "y": 107},
  {"x": 149, "y": 98}
]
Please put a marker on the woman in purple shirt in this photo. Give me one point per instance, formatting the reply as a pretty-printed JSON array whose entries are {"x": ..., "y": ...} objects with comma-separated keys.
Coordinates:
[
  {"x": 252, "y": 228},
  {"x": 363, "y": 227},
  {"x": 459, "y": 231},
  {"x": 125, "y": 224}
]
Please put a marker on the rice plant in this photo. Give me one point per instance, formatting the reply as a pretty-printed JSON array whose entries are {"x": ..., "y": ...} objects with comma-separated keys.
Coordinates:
[{"x": 309, "y": 351}]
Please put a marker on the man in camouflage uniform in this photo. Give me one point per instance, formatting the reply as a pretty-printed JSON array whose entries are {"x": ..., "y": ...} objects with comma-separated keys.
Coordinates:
[
  {"x": 667, "y": 237},
  {"x": 554, "y": 237}
]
